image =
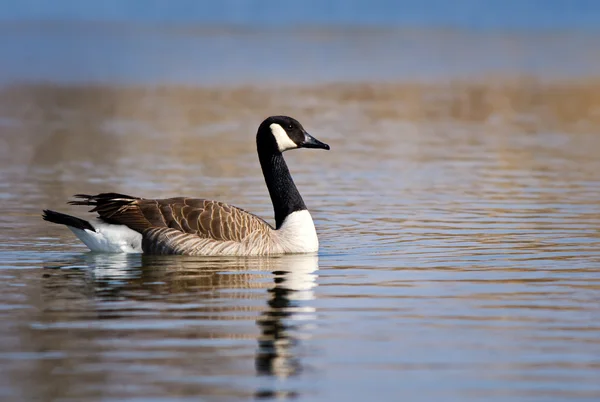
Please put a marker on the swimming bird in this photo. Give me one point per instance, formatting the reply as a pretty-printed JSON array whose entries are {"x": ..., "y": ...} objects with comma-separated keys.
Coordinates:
[{"x": 194, "y": 226}]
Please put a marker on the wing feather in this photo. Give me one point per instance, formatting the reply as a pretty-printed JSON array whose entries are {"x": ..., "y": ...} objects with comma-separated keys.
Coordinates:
[{"x": 203, "y": 218}]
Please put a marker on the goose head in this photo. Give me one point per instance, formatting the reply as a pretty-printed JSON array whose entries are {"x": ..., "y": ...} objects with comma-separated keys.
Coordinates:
[{"x": 281, "y": 133}]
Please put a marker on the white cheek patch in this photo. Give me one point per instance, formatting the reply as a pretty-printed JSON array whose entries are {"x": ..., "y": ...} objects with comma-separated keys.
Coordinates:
[{"x": 283, "y": 140}]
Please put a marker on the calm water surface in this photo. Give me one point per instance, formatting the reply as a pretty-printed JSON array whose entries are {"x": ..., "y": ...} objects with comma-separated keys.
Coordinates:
[{"x": 460, "y": 245}]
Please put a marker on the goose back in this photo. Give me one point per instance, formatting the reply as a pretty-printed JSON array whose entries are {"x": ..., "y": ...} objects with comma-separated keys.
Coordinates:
[{"x": 184, "y": 225}]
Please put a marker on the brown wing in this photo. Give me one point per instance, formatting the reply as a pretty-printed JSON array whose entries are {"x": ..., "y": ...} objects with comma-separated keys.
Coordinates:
[{"x": 205, "y": 218}]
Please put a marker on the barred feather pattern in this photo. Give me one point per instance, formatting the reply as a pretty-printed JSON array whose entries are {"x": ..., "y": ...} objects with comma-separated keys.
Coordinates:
[
  {"x": 163, "y": 241},
  {"x": 189, "y": 226}
]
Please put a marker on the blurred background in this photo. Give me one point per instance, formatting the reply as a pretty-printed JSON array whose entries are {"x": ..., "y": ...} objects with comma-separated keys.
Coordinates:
[
  {"x": 175, "y": 67},
  {"x": 258, "y": 42},
  {"x": 457, "y": 211}
]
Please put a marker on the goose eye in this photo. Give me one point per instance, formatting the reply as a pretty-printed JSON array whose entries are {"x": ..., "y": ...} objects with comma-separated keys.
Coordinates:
[{"x": 290, "y": 126}]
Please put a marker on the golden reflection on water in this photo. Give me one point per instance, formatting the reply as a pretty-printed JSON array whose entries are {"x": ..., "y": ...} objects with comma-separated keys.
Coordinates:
[{"x": 459, "y": 226}]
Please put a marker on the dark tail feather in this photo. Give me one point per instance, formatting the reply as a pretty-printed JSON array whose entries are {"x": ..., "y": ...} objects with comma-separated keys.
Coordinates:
[{"x": 63, "y": 219}]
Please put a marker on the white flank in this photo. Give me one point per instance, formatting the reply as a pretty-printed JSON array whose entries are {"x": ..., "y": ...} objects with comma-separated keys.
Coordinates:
[
  {"x": 110, "y": 238},
  {"x": 283, "y": 140},
  {"x": 297, "y": 233}
]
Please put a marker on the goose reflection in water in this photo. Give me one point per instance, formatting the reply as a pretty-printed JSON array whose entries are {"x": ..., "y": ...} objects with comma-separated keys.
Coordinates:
[
  {"x": 170, "y": 304},
  {"x": 293, "y": 282}
]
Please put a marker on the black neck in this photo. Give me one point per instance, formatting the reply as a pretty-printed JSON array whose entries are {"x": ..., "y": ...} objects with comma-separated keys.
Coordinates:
[{"x": 284, "y": 194}]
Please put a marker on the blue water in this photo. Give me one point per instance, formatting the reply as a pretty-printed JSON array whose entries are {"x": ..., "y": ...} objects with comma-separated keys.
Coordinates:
[
  {"x": 466, "y": 14},
  {"x": 255, "y": 42}
]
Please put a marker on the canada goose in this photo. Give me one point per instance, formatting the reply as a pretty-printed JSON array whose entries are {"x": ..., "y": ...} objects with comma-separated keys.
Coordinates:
[{"x": 193, "y": 226}]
